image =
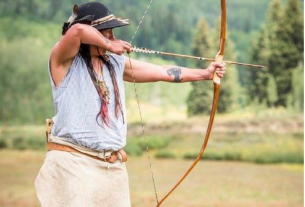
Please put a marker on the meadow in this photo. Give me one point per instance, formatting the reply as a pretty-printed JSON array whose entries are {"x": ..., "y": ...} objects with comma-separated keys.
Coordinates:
[
  {"x": 251, "y": 160},
  {"x": 212, "y": 183}
]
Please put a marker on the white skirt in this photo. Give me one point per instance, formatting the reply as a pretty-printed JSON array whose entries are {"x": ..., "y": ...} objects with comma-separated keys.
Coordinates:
[{"x": 69, "y": 179}]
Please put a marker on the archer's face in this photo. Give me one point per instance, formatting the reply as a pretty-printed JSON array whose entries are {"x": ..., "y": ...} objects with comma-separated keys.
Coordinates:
[{"x": 108, "y": 33}]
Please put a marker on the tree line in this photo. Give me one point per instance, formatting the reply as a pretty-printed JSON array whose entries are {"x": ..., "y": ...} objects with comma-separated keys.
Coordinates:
[
  {"x": 279, "y": 47},
  {"x": 29, "y": 29}
]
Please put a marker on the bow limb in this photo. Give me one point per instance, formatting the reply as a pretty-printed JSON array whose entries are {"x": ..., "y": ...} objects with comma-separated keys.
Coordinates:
[
  {"x": 222, "y": 41},
  {"x": 216, "y": 80}
]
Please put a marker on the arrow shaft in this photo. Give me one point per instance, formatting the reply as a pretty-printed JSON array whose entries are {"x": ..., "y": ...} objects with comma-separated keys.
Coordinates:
[{"x": 144, "y": 50}]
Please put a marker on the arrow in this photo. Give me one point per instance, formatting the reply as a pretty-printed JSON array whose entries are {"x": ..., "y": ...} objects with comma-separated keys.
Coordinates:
[{"x": 148, "y": 51}]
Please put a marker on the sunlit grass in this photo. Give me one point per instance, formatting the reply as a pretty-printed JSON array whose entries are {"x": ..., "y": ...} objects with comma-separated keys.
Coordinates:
[
  {"x": 237, "y": 137},
  {"x": 274, "y": 141},
  {"x": 155, "y": 114},
  {"x": 217, "y": 184}
]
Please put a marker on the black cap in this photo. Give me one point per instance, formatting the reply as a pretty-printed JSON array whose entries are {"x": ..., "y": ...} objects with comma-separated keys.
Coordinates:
[{"x": 98, "y": 15}]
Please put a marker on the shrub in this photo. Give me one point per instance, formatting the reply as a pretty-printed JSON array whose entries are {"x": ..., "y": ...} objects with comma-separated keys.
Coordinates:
[
  {"x": 233, "y": 156},
  {"x": 165, "y": 154},
  {"x": 133, "y": 149},
  {"x": 212, "y": 155},
  {"x": 208, "y": 155},
  {"x": 19, "y": 143},
  {"x": 190, "y": 156},
  {"x": 36, "y": 143},
  {"x": 155, "y": 142},
  {"x": 3, "y": 143},
  {"x": 296, "y": 157}
]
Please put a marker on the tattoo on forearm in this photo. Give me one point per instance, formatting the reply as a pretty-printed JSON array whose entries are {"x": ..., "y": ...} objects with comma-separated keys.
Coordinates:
[
  {"x": 107, "y": 40},
  {"x": 176, "y": 72}
]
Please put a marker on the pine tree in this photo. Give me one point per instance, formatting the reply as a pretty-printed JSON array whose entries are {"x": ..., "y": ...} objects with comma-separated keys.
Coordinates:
[
  {"x": 287, "y": 51},
  {"x": 201, "y": 95},
  {"x": 296, "y": 97},
  {"x": 259, "y": 77},
  {"x": 260, "y": 53},
  {"x": 271, "y": 91},
  {"x": 200, "y": 98},
  {"x": 230, "y": 89},
  {"x": 280, "y": 48}
]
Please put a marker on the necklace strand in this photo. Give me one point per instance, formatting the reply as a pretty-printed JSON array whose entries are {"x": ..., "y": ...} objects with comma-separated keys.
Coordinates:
[{"x": 101, "y": 83}]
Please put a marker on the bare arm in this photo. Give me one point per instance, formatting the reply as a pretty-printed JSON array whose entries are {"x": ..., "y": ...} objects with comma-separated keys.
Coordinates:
[
  {"x": 68, "y": 46},
  {"x": 147, "y": 72}
]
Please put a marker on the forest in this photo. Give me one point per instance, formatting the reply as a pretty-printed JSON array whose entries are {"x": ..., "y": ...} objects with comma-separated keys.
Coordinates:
[{"x": 269, "y": 33}]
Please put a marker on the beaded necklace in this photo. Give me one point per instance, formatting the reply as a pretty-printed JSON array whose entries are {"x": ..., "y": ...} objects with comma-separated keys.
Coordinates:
[{"x": 102, "y": 84}]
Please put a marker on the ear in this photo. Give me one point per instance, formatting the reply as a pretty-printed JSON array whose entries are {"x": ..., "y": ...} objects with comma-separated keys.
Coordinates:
[{"x": 75, "y": 8}]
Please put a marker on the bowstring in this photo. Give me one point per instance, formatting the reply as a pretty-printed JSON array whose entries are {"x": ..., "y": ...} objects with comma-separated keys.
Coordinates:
[
  {"x": 140, "y": 22},
  {"x": 139, "y": 107}
]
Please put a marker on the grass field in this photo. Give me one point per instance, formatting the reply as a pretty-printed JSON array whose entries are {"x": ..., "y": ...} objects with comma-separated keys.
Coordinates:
[
  {"x": 211, "y": 184},
  {"x": 268, "y": 145},
  {"x": 272, "y": 137}
]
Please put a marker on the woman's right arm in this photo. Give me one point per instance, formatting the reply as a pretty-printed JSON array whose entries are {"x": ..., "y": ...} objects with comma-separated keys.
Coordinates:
[{"x": 68, "y": 46}]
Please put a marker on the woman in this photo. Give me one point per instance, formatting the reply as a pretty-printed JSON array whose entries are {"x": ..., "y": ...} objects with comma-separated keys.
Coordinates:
[{"x": 84, "y": 165}]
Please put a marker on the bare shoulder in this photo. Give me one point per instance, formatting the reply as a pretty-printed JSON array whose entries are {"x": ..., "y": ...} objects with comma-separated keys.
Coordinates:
[
  {"x": 58, "y": 68},
  {"x": 66, "y": 48},
  {"x": 53, "y": 55}
]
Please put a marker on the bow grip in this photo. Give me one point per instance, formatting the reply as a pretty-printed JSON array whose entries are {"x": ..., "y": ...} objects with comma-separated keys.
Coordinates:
[{"x": 216, "y": 78}]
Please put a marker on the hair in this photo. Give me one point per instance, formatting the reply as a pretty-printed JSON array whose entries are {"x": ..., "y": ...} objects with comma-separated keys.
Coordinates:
[
  {"x": 68, "y": 25},
  {"x": 84, "y": 52}
]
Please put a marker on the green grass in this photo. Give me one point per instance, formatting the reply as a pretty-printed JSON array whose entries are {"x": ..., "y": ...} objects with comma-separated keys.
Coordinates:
[
  {"x": 245, "y": 140},
  {"x": 272, "y": 136},
  {"x": 23, "y": 137},
  {"x": 165, "y": 154},
  {"x": 169, "y": 142},
  {"x": 256, "y": 148},
  {"x": 217, "y": 184}
]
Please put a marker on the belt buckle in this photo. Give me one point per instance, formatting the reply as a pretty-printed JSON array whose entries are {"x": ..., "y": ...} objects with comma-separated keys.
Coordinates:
[
  {"x": 102, "y": 156},
  {"x": 105, "y": 159}
]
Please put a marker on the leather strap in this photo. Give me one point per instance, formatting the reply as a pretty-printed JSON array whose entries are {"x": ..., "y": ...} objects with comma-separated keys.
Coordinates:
[
  {"x": 121, "y": 154},
  {"x": 55, "y": 146},
  {"x": 49, "y": 124}
]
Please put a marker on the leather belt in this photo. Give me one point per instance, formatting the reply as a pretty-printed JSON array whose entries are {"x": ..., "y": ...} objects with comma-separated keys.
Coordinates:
[{"x": 120, "y": 154}]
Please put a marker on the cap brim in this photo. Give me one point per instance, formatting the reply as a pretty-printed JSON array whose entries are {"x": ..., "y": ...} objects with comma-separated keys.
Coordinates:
[{"x": 110, "y": 24}]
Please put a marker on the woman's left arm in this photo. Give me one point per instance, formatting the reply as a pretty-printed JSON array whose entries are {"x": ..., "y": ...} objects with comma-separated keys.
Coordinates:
[{"x": 144, "y": 72}]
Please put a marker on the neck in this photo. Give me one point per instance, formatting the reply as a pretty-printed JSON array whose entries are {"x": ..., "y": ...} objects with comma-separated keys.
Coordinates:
[{"x": 96, "y": 51}]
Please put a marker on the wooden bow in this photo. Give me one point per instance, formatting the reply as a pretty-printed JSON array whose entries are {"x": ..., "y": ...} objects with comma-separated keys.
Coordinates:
[{"x": 216, "y": 80}]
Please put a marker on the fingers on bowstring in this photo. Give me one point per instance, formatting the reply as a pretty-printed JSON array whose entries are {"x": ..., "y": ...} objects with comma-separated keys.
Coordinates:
[{"x": 127, "y": 47}]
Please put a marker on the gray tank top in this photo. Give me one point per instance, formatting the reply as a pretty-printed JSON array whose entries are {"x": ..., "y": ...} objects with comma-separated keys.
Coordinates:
[{"x": 76, "y": 104}]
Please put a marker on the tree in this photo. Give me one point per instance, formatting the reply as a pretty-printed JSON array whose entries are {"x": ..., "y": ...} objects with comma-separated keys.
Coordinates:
[
  {"x": 287, "y": 52},
  {"x": 296, "y": 97},
  {"x": 200, "y": 98},
  {"x": 260, "y": 52},
  {"x": 259, "y": 77},
  {"x": 280, "y": 48},
  {"x": 231, "y": 93},
  {"x": 271, "y": 91}
]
